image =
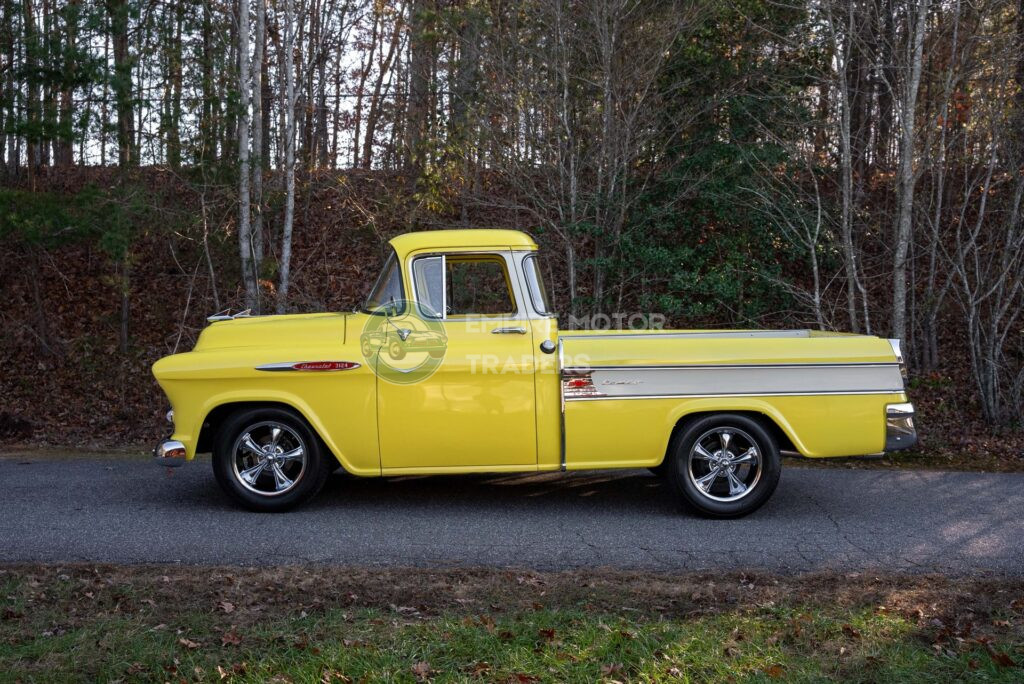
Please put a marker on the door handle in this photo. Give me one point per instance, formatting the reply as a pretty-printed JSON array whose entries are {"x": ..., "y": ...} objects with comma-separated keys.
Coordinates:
[{"x": 509, "y": 331}]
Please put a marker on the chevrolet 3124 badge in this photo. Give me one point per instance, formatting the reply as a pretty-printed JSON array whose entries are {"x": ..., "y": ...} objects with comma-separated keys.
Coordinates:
[{"x": 456, "y": 365}]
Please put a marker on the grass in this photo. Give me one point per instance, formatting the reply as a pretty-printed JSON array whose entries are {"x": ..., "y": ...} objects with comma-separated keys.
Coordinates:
[{"x": 105, "y": 623}]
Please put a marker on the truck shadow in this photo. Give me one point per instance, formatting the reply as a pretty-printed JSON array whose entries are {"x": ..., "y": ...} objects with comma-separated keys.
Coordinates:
[{"x": 626, "y": 490}]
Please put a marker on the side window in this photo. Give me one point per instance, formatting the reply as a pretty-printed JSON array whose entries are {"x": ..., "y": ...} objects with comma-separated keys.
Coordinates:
[
  {"x": 478, "y": 285},
  {"x": 472, "y": 285},
  {"x": 535, "y": 282},
  {"x": 427, "y": 275}
]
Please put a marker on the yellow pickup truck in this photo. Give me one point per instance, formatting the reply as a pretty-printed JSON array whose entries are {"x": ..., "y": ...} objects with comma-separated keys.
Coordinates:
[{"x": 455, "y": 364}]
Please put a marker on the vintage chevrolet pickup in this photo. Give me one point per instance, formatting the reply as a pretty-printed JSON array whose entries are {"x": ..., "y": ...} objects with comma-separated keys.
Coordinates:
[{"x": 456, "y": 365}]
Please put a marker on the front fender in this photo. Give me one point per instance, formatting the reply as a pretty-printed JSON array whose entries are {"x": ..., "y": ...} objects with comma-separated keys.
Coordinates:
[{"x": 339, "y": 406}]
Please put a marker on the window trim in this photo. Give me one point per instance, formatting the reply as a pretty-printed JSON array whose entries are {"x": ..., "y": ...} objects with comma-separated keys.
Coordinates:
[
  {"x": 528, "y": 286},
  {"x": 510, "y": 267},
  {"x": 444, "y": 288},
  {"x": 401, "y": 286}
]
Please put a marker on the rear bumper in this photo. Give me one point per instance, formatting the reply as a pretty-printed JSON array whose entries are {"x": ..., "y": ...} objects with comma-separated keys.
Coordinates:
[
  {"x": 899, "y": 427},
  {"x": 170, "y": 453}
]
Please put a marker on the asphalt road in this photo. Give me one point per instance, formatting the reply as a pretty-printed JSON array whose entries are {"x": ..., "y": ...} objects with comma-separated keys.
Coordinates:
[{"x": 851, "y": 520}]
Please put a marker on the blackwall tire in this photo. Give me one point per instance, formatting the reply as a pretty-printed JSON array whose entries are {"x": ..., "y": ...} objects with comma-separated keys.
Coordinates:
[
  {"x": 269, "y": 460},
  {"x": 724, "y": 465}
]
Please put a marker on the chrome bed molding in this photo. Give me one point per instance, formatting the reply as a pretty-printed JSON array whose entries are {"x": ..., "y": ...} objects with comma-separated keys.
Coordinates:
[{"x": 732, "y": 380}]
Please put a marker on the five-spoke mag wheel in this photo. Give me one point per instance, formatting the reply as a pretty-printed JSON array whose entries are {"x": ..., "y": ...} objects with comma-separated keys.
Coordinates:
[
  {"x": 724, "y": 465},
  {"x": 268, "y": 459}
]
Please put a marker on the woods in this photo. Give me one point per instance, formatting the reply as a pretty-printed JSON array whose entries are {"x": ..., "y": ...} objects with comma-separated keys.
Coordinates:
[{"x": 849, "y": 165}]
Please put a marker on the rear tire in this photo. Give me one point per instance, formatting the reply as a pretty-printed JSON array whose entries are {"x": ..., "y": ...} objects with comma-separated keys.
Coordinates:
[
  {"x": 270, "y": 460},
  {"x": 724, "y": 466}
]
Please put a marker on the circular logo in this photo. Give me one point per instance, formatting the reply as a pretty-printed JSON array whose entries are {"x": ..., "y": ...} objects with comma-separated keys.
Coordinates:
[{"x": 402, "y": 342}]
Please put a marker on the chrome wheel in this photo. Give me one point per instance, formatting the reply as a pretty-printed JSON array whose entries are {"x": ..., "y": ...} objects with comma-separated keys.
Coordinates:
[
  {"x": 724, "y": 464},
  {"x": 269, "y": 458}
]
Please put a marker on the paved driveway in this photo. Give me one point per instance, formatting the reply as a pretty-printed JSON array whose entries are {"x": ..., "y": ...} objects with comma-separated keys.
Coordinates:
[{"x": 132, "y": 512}]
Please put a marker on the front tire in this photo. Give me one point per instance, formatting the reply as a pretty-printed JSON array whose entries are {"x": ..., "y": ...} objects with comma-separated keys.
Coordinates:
[
  {"x": 724, "y": 465},
  {"x": 269, "y": 460}
]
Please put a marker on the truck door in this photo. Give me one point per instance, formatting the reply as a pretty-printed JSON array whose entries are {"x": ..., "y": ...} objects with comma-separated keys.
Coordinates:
[{"x": 474, "y": 406}]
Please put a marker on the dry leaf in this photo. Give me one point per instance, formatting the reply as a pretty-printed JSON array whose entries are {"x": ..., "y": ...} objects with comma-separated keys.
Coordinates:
[
  {"x": 422, "y": 670},
  {"x": 188, "y": 643},
  {"x": 230, "y": 639},
  {"x": 523, "y": 678}
]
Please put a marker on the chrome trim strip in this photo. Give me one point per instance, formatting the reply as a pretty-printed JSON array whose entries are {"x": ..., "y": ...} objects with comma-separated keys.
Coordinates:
[
  {"x": 771, "y": 379},
  {"x": 582, "y": 335},
  {"x": 289, "y": 366},
  {"x": 897, "y": 349},
  {"x": 725, "y": 366},
  {"x": 561, "y": 396},
  {"x": 735, "y": 394}
]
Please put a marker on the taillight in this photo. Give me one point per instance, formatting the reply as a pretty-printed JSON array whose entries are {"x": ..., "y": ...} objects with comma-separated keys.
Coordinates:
[{"x": 578, "y": 383}]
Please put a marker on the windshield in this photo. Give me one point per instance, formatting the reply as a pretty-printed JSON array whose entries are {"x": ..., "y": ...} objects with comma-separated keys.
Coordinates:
[{"x": 388, "y": 288}]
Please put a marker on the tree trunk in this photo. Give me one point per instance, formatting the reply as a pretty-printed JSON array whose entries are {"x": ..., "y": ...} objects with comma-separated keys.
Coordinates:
[
  {"x": 63, "y": 153},
  {"x": 207, "y": 125},
  {"x": 904, "y": 223},
  {"x": 289, "y": 157},
  {"x": 122, "y": 83},
  {"x": 258, "y": 161},
  {"x": 174, "y": 115},
  {"x": 32, "y": 91},
  {"x": 420, "y": 58},
  {"x": 364, "y": 72},
  {"x": 375, "y": 104},
  {"x": 245, "y": 246}
]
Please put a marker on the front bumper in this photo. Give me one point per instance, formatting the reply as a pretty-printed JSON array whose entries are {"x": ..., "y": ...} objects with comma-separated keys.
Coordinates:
[
  {"x": 899, "y": 427},
  {"x": 170, "y": 453}
]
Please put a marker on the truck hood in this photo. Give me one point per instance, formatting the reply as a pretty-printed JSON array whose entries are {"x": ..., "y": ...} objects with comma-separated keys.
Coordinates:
[{"x": 296, "y": 330}]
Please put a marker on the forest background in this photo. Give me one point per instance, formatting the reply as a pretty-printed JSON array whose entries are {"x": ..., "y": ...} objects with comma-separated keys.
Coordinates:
[{"x": 846, "y": 165}]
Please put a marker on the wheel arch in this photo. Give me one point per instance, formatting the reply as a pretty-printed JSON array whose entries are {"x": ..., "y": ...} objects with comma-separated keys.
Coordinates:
[
  {"x": 220, "y": 412},
  {"x": 772, "y": 424}
]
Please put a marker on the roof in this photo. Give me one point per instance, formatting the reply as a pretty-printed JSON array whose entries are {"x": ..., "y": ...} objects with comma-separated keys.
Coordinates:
[{"x": 484, "y": 238}]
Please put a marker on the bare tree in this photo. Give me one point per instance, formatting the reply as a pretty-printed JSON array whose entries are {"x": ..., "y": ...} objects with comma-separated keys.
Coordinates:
[
  {"x": 841, "y": 29},
  {"x": 258, "y": 160},
  {"x": 288, "y": 64},
  {"x": 245, "y": 241},
  {"x": 913, "y": 54}
]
